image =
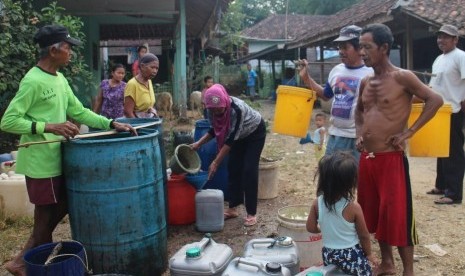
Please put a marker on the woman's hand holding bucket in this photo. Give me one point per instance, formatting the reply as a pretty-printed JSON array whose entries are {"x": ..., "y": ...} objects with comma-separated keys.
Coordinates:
[{"x": 195, "y": 146}]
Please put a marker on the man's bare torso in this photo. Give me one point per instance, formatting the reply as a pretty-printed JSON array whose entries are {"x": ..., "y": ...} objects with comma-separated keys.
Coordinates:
[{"x": 386, "y": 108}]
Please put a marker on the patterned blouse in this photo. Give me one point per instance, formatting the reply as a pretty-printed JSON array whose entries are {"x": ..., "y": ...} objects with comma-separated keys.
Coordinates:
[{"x": 112, "y": 99}]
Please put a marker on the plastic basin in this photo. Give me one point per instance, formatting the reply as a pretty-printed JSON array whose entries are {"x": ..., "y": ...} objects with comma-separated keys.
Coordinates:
[{"x": 197, "y": 180}]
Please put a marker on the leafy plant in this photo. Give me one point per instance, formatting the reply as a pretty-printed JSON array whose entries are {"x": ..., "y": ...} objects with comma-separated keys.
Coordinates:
[
  {"x": 77, "y": 73},
  {"x": 18, "y": 24},
  {"x": 231, "y": 25},
  {"x": 18, "y": 53}
]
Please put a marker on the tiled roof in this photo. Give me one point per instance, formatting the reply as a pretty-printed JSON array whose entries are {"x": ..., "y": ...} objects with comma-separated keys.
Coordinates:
[
  {"x": 307, "y": 30},
  {"x": 273, "y": 27},
  {"x": 362, "y": 13},
  {"x": 434, "y": 12},
  {"x": 437, "y": 12}
]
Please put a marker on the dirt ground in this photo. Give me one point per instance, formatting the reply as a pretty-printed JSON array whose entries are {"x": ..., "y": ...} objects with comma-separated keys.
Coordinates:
[{"x": 437, "y": 225}]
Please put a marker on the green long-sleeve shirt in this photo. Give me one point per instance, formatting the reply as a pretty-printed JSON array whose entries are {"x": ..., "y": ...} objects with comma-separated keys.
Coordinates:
[{"x": 44, "y": 98}]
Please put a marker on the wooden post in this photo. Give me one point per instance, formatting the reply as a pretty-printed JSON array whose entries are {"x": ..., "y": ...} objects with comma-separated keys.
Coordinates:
[
  {"x": 409, "y": 44},
  {"x": 322, "y": 66},
  {"x": 180, "y": 82},
  {"x": 273, "y": 71}
]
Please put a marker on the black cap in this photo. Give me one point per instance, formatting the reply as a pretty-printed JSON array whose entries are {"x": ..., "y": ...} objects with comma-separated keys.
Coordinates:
[
  {"x": 51, "y": 34},
  {"x": 348, "y": 33}
]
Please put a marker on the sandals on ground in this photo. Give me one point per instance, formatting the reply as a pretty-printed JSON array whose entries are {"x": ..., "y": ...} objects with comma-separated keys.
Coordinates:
[
  {"x": 447, "y": 201},
  {"x": 250, "y": 221},
  {"x": 435, "y": 191}
]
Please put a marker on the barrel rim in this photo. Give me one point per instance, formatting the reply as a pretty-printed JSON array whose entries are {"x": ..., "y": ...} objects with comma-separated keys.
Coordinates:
[
  {"x": 31, "y": 252},
  {"x": 297, "y": 91},
  {"x": 444, "y": 108},
  {"x": 269, "y": 165},
  {"x": 202, "y": 122},
  {"x": 147, "y": 134},
  {"x": 137, "y": 120}
]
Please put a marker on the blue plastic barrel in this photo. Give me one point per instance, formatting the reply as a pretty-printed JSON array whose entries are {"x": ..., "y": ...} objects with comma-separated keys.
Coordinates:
[
  {"x": 157, "y": 127},
  {"x": 117, "y": 202},
  {"x": 207, "y": 154},
  {"x": 70, "y": 260}
]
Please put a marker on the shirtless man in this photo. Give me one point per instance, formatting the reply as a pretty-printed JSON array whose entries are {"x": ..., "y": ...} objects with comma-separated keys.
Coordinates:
[{"x": 381, "y": 116}]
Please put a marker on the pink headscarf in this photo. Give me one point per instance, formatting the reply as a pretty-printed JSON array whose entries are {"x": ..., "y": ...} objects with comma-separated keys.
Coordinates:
[{"x": 216, "y": 96}]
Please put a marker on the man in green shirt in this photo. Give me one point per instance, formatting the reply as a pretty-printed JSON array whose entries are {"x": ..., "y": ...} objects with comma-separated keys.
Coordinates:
[{"x": 39, "y": 112}]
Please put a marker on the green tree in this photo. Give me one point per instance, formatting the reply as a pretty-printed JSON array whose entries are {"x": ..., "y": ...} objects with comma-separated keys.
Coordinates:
[
  {"x": 257, "y": 10},
  {"x": 18, "y": 24},
  {"x": 17, "y": 52},
  {"x": 230, "y": 27},
  {"x": 321, "y": 7},
  {"x": 77, "y": 73}
]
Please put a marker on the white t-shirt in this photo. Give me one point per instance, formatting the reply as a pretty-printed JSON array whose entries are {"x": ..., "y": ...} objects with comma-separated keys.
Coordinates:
[
  {"x": 450, "y": 77},
  {"x": 344, "y": 85}
]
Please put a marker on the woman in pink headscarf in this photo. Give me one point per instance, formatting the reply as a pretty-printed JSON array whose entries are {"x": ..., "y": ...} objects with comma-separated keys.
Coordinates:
[{"x": 240, "y": 132}]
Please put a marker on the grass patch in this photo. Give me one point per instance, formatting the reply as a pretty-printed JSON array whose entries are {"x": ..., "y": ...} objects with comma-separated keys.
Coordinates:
[{"x": 14, "y": 230}]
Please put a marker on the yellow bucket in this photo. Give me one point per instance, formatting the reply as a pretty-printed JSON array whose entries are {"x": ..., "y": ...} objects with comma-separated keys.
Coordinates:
[
  {"x": 293, "y": 110},
  {"x": 432, "y": 140}
]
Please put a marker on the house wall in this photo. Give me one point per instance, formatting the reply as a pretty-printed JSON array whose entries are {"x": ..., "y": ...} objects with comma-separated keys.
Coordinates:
[{"x": 256, "y": 46}]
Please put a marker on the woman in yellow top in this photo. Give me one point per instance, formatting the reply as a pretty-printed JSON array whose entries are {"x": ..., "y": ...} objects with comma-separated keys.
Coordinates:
[{"x": 139, "y": 98}]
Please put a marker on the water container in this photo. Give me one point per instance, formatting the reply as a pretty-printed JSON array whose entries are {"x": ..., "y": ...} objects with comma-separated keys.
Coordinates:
[
  {"x": 7, "y": 166},
  {"x": 117, "y": 203},
  {"x": 185, "y": 160},
  {"x": 157, "y": 127},
  {"x": 205, "y": 257},
  {"x": 281, "y": 250},
  {"x": 292, "y": 223},
  {"x": 14, "y": 154},
  {"x": 6, "y": 157},
  {"x": 197, "y": 180},
  {"x": 181, "y": 201},
  {"x": 293, "y": 110},
  {"x": 209, "y": 210},
  {"x": 182, "y": 137},
  {"x": 207, "y": 154},
  {"x": 329, "y": 270},
  {"x": 254, "y": 267},
  {"x": 432, "y": 140},
  {"x": 14, "y": 199},
  {"x": 70, "y": 260},
  {"x": 268, "y": 179}
]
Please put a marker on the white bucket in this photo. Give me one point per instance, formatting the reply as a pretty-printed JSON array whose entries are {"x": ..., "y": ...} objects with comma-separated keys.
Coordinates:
[
  {"x": 292, "y": 223},
  {"x": 268, "y": 179}
]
